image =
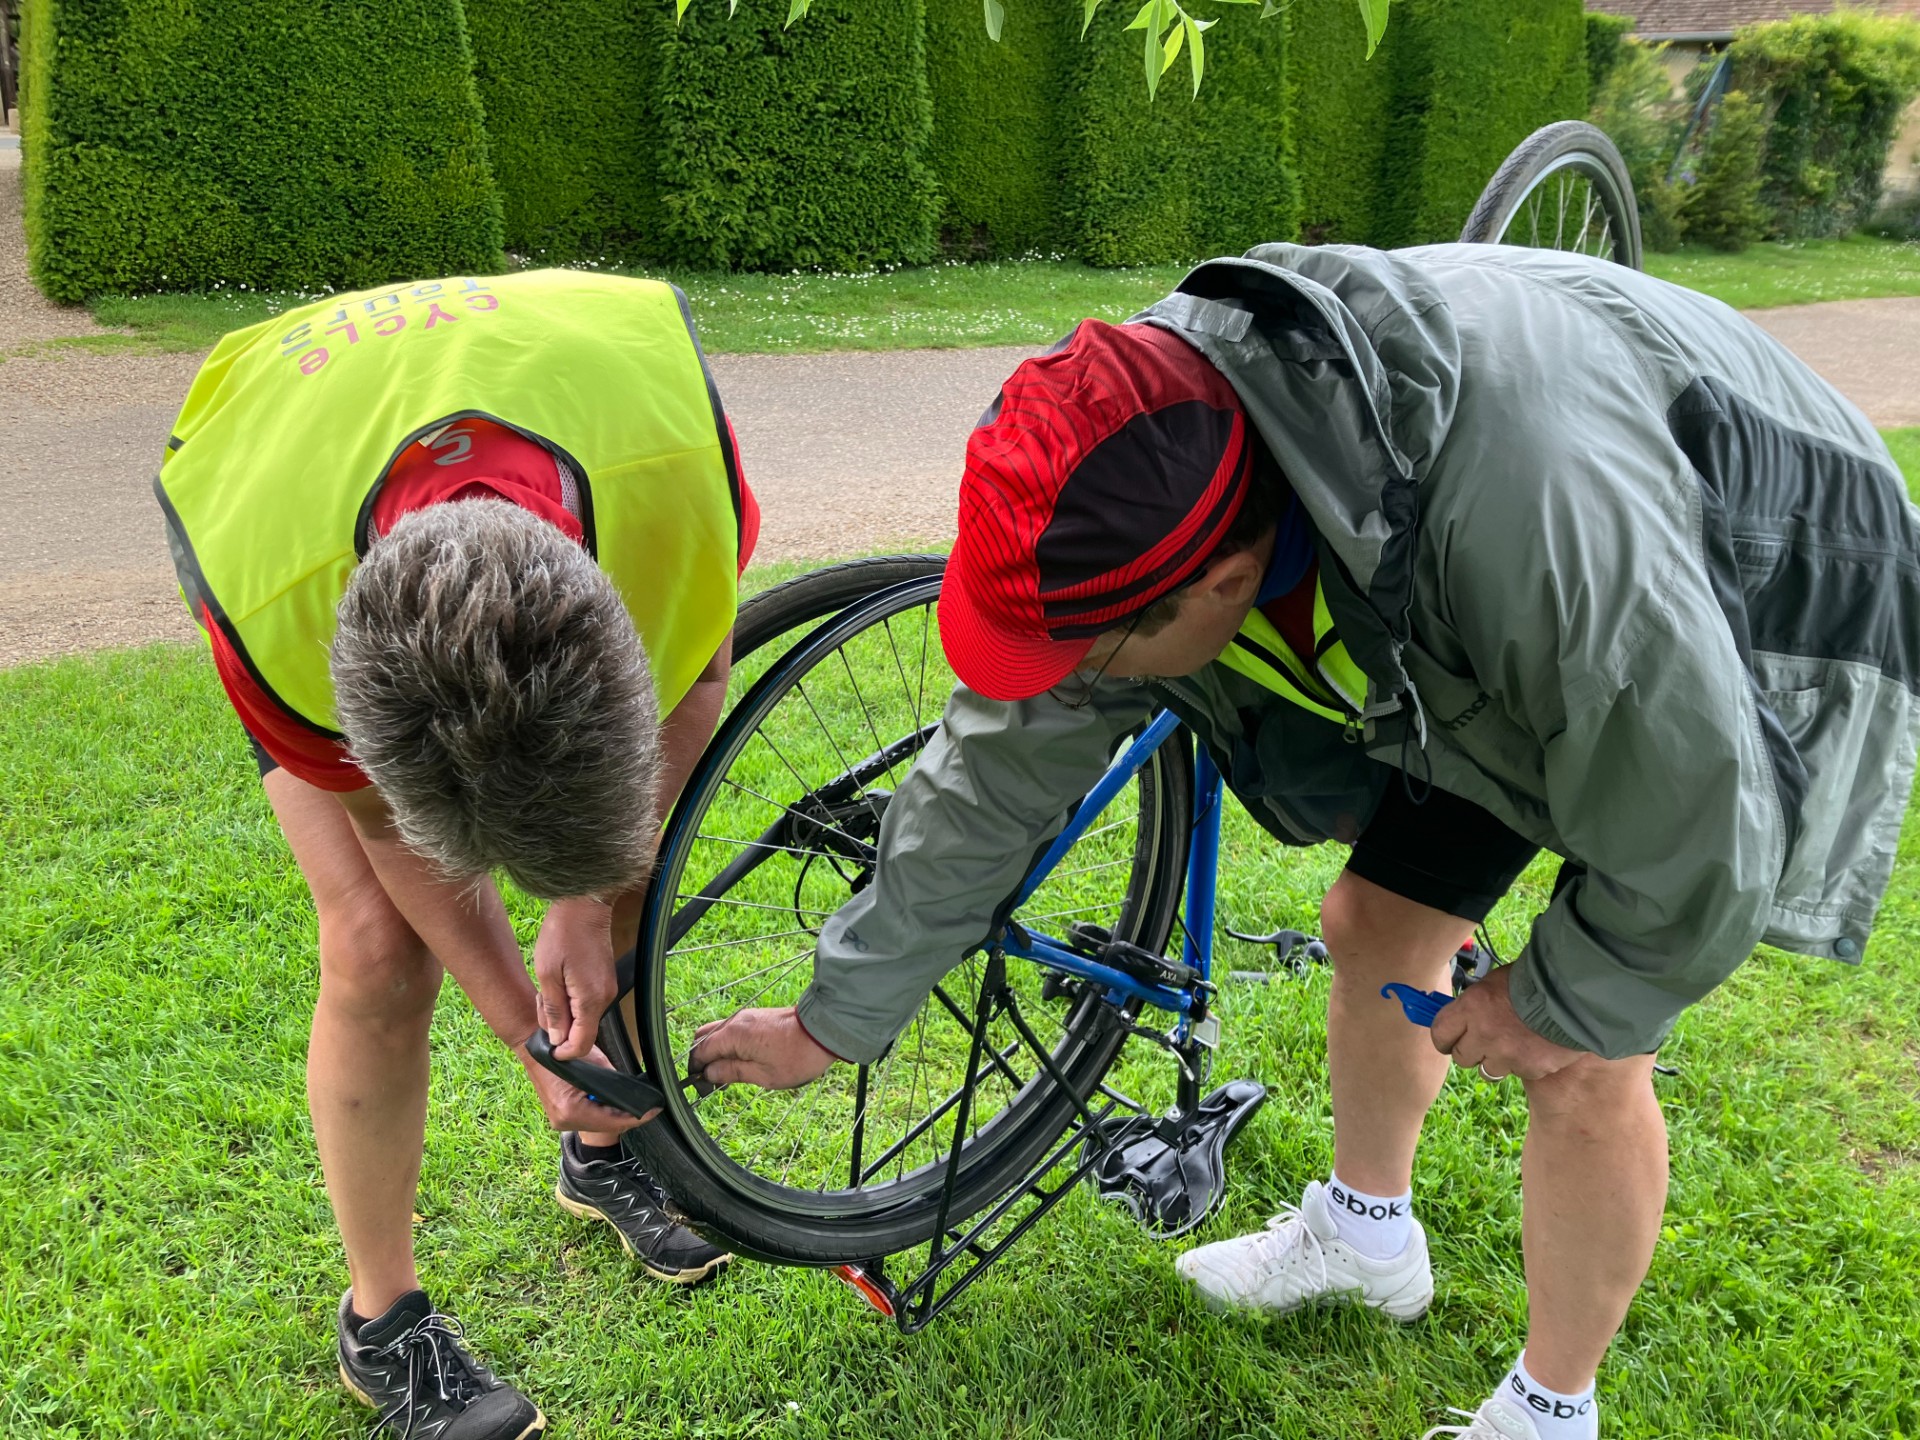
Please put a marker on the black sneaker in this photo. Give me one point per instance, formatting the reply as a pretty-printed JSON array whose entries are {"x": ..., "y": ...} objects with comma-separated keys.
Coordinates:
[
  {"x": 626, "y": 1197},
  {"x": 409, "y": 1365}
]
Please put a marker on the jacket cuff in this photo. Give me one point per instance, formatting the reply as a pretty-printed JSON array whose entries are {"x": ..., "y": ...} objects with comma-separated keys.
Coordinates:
[
  {"x": 1531, "y": 1006},
  {"x": 816, "y": 1039},
  {"x": 826, "y": 1030}
]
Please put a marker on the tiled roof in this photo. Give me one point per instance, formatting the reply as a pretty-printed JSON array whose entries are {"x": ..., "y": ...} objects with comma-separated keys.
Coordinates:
[{"x": 1655, "y": 19}]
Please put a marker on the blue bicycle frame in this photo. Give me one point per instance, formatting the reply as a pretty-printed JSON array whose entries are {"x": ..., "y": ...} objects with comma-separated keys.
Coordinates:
[{"x": 1203, "y": 864}]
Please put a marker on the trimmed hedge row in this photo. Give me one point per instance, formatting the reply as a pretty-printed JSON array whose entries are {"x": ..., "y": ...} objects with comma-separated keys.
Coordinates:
[
  {"x": 180, "y": 146},
  {"x": 177, "y": 145},
  {"x": 996, "y": 148},
  {"x": 1396, "y": 150},
  {"x": 1462, "y": 105},
  {"x": 1341, "y": 105},
  {"x": 565, "y": 89},
  {"x": 1178, "y": 178},
  {"x": 802, "y": 146}
]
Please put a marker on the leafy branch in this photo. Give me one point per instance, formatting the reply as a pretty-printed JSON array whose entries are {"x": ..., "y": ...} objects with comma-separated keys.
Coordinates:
[{"x": 1167, "y": 26}]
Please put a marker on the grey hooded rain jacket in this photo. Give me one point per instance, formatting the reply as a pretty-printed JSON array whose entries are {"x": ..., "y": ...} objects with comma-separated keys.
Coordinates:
[{"x": 1619, "y": 569}]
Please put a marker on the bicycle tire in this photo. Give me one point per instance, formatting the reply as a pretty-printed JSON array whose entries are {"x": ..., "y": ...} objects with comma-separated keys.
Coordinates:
[
  {"x": 1563, "y": 148},
  {"x": 747, "y": 1212}
]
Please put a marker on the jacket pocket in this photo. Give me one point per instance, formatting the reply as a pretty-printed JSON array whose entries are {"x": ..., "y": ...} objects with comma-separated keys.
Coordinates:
[{"x": 1855, "y": 730}]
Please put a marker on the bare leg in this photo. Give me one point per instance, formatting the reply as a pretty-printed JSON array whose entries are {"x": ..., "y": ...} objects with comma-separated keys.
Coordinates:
[
  {"x": 1385, "y": 1072},
  {"x": 1595, "y": 1172},
  {"x": 367, "y": 1058}
]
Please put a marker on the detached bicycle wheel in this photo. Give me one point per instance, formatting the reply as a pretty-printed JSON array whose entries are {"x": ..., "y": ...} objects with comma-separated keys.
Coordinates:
[
  {"x": 775, "y": 831},
  {"x": 1564, "y": 187}
]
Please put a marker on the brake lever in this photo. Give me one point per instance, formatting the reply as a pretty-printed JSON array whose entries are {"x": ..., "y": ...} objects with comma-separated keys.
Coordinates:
[
  {"x": 603, "y": 1085},
  {"x": 1293, "y": 949}
]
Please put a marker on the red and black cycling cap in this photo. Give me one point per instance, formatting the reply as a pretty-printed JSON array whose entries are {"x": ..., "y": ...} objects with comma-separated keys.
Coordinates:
[{"x": 1103, "y": 478}]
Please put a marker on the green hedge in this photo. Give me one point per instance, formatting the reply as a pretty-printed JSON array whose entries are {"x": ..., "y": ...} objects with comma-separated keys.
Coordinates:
[
  {"x": 1341, "y": 105},
  {"x": 569, "y": 125},
  {"x": 1606, "y": 43},
  {"x": 996, "y": 118},
  {"x": 795, "y": 147},
  {"x": 1471, "y": 80},
  {"x": 1179, "y": 178},
  {"x": 1835, "y": 87},
  {"x": 179, "y": 146}
]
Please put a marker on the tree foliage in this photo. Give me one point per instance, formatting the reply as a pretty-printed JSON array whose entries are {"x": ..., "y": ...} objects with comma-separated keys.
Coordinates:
[{"x": 1833, "y": 88}]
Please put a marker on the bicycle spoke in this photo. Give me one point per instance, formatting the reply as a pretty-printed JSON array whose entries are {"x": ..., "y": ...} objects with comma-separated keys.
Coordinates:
[
  {"x": 905, "y": 687},
  {"x": 866, "y": 713},
  {"x": 736, "y": 944},
  {"x": 754, "y": 904},
  {"x": 786, "y": 964}
]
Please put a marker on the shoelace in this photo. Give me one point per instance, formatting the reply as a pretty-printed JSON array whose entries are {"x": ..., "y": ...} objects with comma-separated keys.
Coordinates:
[
  {"x": 1472, "y": 1430},
  {"x": 629, "y": 1169},
  {"x": 1287, "y": 1238},
  {"x": 434, "y": 1342}
]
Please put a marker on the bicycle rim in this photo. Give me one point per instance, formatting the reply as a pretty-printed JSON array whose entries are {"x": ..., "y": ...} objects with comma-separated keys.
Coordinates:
[{"x": 774, "y": 833}]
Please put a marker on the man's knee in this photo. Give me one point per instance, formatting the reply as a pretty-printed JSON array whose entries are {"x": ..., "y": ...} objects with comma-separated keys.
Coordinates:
[
  {"x": 1590, "y": 1089},
  {"x": 1362, "y": 923},
  {"x": 372, "y": 962}
]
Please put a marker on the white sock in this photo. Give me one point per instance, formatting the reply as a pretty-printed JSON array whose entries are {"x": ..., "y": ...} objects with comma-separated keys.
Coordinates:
[
  {"x": 1554, "y": 1415},
  {"x": 1378, "y": 1226}
]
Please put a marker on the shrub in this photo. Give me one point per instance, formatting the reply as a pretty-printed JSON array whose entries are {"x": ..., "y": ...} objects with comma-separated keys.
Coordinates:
[
  {"x": 1340, "y": 105},
  {"x": 287, "y": 146},
  {"x": 1634, "y": 104},
  {"x": 1722, "y": 206},
  {"x": 572, "y": 138},
  {"x": 797, "y": 147},
  {"x": 1899, "y": 218},
  {"x": 1177, "y": 178},
  {"x": 1471, "y": 80},
  {"x": 996, "y": 118},
  {"x": 1606, "y": 41},
  {"x": 1833, "y": 86}
]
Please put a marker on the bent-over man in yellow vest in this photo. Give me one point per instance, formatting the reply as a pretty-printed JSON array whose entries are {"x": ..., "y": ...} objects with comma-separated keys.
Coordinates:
[{"x": 466, "y": 554}]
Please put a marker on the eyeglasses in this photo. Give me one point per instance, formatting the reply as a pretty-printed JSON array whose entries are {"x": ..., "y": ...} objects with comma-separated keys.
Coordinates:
[{"x": 1076, "y": 692}]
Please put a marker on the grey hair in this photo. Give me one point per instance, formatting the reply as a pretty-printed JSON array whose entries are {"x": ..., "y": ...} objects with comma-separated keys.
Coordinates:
[{"x": 490, "y": 683}]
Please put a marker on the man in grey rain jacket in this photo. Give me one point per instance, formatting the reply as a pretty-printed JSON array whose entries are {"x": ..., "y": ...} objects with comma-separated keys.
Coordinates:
[{"x": 1454, "y": 554}]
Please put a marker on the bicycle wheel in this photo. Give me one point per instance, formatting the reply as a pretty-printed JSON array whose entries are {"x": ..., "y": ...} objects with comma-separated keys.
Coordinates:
[
  {"x": 774, "y": 832},
  {"x": 1564, "y": 187}
]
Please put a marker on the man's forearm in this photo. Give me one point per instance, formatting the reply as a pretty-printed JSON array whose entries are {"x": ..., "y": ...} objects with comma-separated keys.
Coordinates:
[{"x": 464, "y": 925}]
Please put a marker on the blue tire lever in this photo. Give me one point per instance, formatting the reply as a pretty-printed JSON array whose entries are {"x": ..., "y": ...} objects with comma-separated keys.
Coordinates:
[{"x": 1421, "y": 1006}]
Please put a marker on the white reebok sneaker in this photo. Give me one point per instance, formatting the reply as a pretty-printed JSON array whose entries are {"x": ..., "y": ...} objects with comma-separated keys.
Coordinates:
[
  {"x": 1300, "y": 1260},
  {"x": 1494, "y": 1420}
]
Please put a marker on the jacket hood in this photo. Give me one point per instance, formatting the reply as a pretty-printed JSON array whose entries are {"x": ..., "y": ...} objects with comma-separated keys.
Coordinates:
[{"x": 1348, "y": 364}]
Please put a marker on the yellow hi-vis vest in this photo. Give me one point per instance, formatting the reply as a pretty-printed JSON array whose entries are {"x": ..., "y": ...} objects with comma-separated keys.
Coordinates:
[
  {"x": 292, "y": 425},
  {"x": 1333, "y": 686}
]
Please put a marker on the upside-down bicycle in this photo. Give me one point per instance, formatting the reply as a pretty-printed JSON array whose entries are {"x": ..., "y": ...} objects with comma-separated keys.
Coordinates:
[{"x": 1003, "y": 1092}]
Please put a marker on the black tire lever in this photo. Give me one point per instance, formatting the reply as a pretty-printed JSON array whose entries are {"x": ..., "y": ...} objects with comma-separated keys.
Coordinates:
[{"x": 629, "y": 1093}]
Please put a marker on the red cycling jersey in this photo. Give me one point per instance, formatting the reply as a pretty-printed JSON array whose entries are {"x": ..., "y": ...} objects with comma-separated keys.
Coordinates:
[{"x": 467, "y": 460}]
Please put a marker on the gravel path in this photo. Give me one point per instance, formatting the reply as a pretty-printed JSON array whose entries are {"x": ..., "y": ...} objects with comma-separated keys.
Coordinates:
[{"x": 848, "y": 452}]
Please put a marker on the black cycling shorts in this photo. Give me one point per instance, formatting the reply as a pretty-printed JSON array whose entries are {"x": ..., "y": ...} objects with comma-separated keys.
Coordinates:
[
  {"x": 1446, "y": 853},
  {"x": 261, "y": 758}
]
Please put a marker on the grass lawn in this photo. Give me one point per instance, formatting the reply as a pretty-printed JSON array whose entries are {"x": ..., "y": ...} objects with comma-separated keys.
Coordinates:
[
  {"x": 1857, "y": 268},
  {"x": 171, "y": 1270},
  {"x": 1024, "y": 302}
]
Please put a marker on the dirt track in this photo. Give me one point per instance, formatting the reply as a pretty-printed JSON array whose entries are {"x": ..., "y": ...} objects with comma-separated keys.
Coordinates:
[{"x": 847, "y": 453}]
